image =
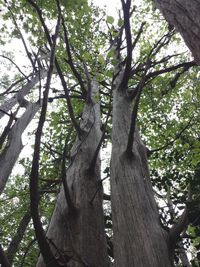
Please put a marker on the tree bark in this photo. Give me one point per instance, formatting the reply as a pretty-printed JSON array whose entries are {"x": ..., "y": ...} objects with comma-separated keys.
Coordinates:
[
  {"x": 14, "y": 145},
  {"x": 139, "y": 239},
  {"x": 81, "y": 234},
  {"x": 25, "y": 90},
  {"x": 184, "y": 16}
]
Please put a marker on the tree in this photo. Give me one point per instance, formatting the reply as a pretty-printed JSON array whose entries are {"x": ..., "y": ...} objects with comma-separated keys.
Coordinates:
[
  {"x": 99, "y": 79},
  {"x": 182, "y": 15}
]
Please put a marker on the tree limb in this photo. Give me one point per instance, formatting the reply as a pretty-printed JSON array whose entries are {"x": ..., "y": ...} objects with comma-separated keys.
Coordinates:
[
  {"x": 135, "y": 112},
  {"x": 23, "y": 40},
  {"x": 70, "y": 61},
  {"x": 178, "y": 135},
  {"x": 11, "y": 102},
  {"x": 179, "y": 227},
  {"x": 17, "y": 67},
  {"x": 127, "y": 27},
  {"x": 69, "y": 104},
  {"x": 46, "y": 252}
]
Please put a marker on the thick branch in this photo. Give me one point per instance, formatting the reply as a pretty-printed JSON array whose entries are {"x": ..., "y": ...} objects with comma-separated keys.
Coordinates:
[
  {"x": 34, "y": 176},
  {"x": 135, "y": 112},
  {"x": 72, "y": 208},
  {"x": 169, "y": 69},
  {"x": 69, "y": 104},
  {"x": 10, "y": 103},
  {"x": 179, "y": 227},
  {"x": 127, "y": 72}
]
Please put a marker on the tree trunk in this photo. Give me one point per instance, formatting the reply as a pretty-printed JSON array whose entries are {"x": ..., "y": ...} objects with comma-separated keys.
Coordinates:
[
  {"x": 25, "y": 90},
  {"x": 81, "y": 235},
  {"x": 14, "y": 145},
  {"x": 139, "y": 239},
  {"x": 184, "y": 16}
]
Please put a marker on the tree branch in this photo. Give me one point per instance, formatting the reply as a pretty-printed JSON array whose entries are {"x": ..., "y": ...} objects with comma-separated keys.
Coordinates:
[
  {"x": 135, "y": 112},
  {"x": 11, "y": 86},
  {"x": 69, "y": 104},
  {"x": 169, "y": 69},
  {"x": 179, "y": 227},
  {"x": 46, "y": 252},
  {"x": 70, "y": 61},
  {"x": 172, "y": 141},
  {"x": 127, "y": 27},
  {"x": 11, "y": 102},
  {"x": 25, "y": 76},
  {"x": 138, "y": 35},
  {"x": 23, "y": 40}
]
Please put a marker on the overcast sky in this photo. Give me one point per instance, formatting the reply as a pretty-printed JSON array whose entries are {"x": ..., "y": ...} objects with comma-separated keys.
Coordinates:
[{"x": 111, "y": 5}]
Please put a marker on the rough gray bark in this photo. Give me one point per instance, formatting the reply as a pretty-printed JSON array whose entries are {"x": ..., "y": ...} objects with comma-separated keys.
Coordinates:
[
  {"x": 184, "y": 16},
  {"x": 25, "y": 90},
  {"x": 81, "y": 235},
  {"x": 139, "y": 240},
  {"x": 14, "y": 145}
]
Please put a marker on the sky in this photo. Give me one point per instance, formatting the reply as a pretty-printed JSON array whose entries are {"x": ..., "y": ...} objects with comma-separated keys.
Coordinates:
[{"x": 110, "y": 5}]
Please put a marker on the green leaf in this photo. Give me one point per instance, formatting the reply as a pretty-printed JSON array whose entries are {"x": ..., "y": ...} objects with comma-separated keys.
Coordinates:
[{"x": 110, "y": 19}]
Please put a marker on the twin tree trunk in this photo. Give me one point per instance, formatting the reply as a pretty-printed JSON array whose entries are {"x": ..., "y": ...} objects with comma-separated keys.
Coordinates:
[{"x": 139, "y": 240}]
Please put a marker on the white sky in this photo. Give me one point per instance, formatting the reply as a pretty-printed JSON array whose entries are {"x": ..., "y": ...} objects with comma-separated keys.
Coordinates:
[{"x": 111, "y": 5}]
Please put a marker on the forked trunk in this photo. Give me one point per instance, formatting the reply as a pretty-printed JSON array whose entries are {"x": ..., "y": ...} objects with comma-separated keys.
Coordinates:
[
  {"x": 139, "y": 239},
  {"x": 81, "y": 235}
]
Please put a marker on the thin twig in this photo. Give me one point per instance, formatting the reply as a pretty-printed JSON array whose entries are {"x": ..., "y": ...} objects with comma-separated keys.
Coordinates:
[
  {"x": 22, "y": 38},
  {"x": 70, "y": 61},
  {"x": 172, "y": 141},
  {"x": 17, "y": 67}
]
